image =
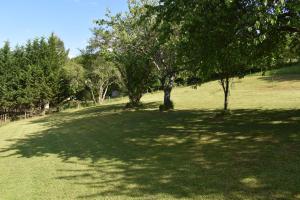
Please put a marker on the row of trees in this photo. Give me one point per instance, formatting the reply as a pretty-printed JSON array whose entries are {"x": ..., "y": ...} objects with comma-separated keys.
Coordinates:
[
  {"x": 152, "y": 46},
  {"x": 31, "y": 75},
  {"x": 39, "y": 75},
  {"x": 203, "y": 39}
]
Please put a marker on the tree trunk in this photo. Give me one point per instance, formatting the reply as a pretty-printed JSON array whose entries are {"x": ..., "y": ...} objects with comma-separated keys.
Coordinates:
[
  {"x": 93, "y": 95},
  {"x": 104, "y": 94},
  {"x": 225, "y": 85},
  {"x": 226, "y": 101},
  {"x": 168, "y": 86},
  {"x": 45, "y": 107},
  {"x": 167, "y": 96},
  {"x": 78, "y": 104},
  {"x": 134, "y": 100},
  {"x": 100, "y": 95}
]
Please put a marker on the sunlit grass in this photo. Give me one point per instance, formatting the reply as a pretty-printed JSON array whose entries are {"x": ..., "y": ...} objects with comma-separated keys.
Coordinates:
[{"x": 106, "y": 152}]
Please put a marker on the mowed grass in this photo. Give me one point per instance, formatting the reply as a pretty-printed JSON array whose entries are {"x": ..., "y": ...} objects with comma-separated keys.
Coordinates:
[{"x": 106, "y": 152}]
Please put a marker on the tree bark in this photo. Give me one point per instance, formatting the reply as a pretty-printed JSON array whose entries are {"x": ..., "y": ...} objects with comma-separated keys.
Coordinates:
[
  {"x": 104, "y": 94},
  {"x": 167, "y": 96},
  {"x": 168, "y": 86},
  {"x": 100, "y": 93},
  {"x": 78, "y": 104},
  {"x": 225, "y": 85},
  {"x": 93, "y": 95},
  {"x": 135, "y": 99},
  {"x": 45, "y": 106}
]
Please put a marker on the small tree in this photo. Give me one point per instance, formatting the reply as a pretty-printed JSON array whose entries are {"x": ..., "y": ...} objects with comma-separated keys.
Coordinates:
[
  {"x": 123, "y": 40},
  {"x": 135, "y": 72},
  {"x": 165, "y": 59},
  {"x": 100, "y": 77},
  {"x": 74, "y": 81}
]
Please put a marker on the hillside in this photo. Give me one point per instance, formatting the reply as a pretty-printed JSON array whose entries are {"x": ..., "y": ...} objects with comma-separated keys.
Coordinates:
[
  {"x": 279, "y": 89},
  {"x": 106, "y": 152}
]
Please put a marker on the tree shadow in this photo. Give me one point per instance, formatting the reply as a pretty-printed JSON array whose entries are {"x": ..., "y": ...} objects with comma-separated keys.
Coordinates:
[
  {"x": 182, "y": 154},
  {"x": 281, "y": 78}
]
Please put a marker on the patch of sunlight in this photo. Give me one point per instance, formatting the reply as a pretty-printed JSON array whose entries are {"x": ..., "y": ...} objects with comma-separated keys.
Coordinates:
[
  {"x": 202, "y": 161},
  {"x": 141, "y": 142},
  {"x": 294, "y": 135},
  {"x": 297, "y": 196},
  {"x": 263, "y": 138},
  {"x": 132, "y": 186},
  {"x": 281, "y": 195},
  {"x": 175, "y": 127},
  {"x": 279, "y": 122},
  {"x": 220, "y": 134},
  {"x": 251, "y": 182},
  {"x": 165, "y": 179},
  {"x": 170, "y": 140},
  {"x": 207, "y": 139},
  {"x": 242, "y": 137},
  {"x": 295, "y": 118}
]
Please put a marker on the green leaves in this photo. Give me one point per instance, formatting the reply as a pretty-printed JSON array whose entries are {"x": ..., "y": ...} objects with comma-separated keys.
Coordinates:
[
  {"x": 126, "y": 42},
  {"x": 31, "y": 74}
]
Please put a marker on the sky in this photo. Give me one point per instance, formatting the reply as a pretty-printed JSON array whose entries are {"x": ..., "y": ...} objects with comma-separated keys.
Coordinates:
[{"x": 71, "y": 20}]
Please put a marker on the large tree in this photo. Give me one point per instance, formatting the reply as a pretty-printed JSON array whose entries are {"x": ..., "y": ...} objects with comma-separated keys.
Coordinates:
[
  {"x": 225, "y": 38},
  {"x": 124, "y": 40}
]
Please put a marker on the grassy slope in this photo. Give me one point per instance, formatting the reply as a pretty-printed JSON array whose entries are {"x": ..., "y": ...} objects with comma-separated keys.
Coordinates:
[{"x": 107, "y": 153}]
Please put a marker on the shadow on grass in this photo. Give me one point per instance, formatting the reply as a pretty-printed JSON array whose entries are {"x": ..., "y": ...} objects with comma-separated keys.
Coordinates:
[
  {"x": 251, "y": 153},
  {"x": 281, "y": 78}
]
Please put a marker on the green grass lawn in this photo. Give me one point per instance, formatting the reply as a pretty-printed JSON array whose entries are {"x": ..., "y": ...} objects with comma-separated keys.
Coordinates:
[{"x": 106, "y": 152}]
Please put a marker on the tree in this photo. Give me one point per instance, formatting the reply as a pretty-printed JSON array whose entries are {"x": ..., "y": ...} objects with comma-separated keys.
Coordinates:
[
  {"x": 214, "y": 35},
  {"x": 135, "y": 71},
  {"x": 55, "y": 59},
  {"x": 74, "y": 76},
  {"x": 6, "y": 60},
  {"x": 123, "y": 41},
  {"x": 31, "y": 75},
  {"x": 165, "y": 58},
  {"x": 226, "y": 38},
  {"x": 100, "y": 77},
  {"x": 278, "y": 23}
]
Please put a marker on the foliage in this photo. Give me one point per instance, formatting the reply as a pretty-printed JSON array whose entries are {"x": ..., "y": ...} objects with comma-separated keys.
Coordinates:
[
  {"x": 227, "y": 38},
  {"x": 100, "y": 76},
  {"x": 124, "y": 42},
  {"x": 75, "y": 80},
  {"x": 31, "y": 75}
]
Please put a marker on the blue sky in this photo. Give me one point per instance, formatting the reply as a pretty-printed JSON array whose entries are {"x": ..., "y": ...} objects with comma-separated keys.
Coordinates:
[{"x": 71, "y": 20}]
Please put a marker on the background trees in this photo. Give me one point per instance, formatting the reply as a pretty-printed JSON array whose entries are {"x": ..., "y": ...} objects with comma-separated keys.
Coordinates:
[
  {"x": 74, "y": 80},
  {"x": 31, "y": 75},
  {"x": 225, "y": 39},
  {"x": 208, "y": 39},
  {"x": 100, "y": 76},
  {"x": 155, "y": 42}
]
